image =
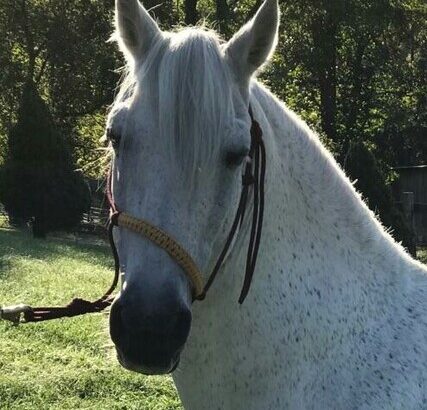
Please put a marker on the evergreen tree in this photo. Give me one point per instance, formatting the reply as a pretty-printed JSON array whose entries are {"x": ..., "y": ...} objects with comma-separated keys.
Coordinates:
[{"x": 39, "y": 183}]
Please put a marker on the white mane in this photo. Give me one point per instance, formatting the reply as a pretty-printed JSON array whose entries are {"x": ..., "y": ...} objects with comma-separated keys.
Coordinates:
[
  {"x": 190, "y": 92},
  {"x": 321, "y": 180}
]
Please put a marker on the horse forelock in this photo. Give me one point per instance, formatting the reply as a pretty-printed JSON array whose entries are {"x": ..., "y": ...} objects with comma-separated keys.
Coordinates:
[{"x": 189, "y": 88}]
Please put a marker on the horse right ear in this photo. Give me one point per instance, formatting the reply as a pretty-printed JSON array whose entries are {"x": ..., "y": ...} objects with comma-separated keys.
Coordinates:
[
  {"x": 254, "y": 43},
  {"x": 136, "y": 29}
]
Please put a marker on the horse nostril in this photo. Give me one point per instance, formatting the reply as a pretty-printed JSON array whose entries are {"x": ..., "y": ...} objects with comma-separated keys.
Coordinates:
[
  {"x": 116, "y": 322},
  {"x": 182, "y": 323},
  {"x": 147, "y": 336}
]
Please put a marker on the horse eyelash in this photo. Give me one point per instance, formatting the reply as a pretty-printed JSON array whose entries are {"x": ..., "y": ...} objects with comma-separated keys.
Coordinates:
[
  {"x": 234, "y": 159},
  {"x": 113, "y": 138}
]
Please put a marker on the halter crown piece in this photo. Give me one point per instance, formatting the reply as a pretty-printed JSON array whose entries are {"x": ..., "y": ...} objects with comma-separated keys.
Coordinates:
[{"x": 254, "y": 176}]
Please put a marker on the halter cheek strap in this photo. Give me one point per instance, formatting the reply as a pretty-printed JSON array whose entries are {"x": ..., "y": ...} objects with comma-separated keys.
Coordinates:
[{"x": 254, "y": 176}]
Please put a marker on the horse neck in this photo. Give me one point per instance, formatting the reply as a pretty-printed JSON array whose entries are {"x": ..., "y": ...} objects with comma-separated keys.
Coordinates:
[
  {"x": 320, "y": 205},
  {"x": 317, "y": 229},
  {"x": 326, "y": 271}
]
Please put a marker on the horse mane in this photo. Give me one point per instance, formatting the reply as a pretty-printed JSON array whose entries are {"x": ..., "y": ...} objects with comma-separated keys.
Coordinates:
[
  {"x": 321, "y": 180},
  {"x": 189, "y": 90}
]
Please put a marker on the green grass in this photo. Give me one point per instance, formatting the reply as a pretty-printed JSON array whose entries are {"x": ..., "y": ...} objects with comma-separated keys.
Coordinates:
[
  {"x": 422, "y": 255},
  {"x": 64, "y": 364}
]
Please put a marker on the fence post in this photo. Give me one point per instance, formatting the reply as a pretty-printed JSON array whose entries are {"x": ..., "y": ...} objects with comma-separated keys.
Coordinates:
[{"x": 408, "y": 203}]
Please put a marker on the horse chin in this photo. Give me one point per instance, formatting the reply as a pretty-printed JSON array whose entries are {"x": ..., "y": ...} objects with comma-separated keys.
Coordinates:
[{"x": 147, "y": 370}]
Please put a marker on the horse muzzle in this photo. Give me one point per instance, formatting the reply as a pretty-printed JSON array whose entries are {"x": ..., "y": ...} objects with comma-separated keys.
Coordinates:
[
  {"x": 151, "y": 370},
  {"x": 149, "y": 342}
]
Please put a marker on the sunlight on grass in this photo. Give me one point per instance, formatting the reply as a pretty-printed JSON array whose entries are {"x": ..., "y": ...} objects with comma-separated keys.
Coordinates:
[{"x": 64, "y": 364}]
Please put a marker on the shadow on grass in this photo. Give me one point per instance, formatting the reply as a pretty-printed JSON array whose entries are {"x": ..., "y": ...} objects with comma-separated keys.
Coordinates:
[
  {"x": 88, "y": 332},
  {"x": 15, "y": 243}
]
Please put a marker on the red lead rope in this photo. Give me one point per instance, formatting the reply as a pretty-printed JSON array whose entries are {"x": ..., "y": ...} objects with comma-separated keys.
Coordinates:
[{"x": 78, "y": 306}]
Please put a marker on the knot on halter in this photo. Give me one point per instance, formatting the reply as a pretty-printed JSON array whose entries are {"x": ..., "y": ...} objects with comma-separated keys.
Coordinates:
[
  {"x": 114, "y": 218},
  {"x": 200, "y": 297},
  {"x": 248, "y": 179},
  {"x": 256, "y": 130}
]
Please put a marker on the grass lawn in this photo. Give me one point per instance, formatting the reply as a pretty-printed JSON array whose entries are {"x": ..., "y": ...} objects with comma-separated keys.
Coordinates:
[
  {"x": 64, "y": 364},
  {"x": 68, "y": 363}
]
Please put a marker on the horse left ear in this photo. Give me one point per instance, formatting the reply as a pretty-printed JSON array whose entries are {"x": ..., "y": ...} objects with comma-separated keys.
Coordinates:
[
  {"x": 136, "y": 29},
  {"x": 254, "y": 43}
]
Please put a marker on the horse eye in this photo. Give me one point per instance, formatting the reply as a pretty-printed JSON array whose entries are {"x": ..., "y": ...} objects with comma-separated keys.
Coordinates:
[
  {"x": 114, "y": 138},
  {"x": 234, "y": 159}
]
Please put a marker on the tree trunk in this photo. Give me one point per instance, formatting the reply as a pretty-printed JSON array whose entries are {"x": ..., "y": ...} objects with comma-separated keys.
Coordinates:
[
  {"x": 324, "y": 32},
  {"x": 29, "y": 40},
  {"x": 39, "y": 222},
  {"x": 222, "y": 15},
  {"x": 39, "y": 230},
  {"x": 161, "y": 10},
  {"x": 191, "y": 16},
  {"x": 353, "y": 109}
]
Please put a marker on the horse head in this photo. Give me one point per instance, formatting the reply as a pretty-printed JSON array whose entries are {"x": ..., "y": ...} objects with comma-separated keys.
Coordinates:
[{"x": 180, "y": 130}]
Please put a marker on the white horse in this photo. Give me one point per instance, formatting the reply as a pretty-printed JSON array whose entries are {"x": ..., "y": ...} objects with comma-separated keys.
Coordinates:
[{"x": 336, "y": 317}]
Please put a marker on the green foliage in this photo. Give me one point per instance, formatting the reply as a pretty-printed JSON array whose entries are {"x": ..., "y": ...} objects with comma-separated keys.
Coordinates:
[
  {"x": 65, "y": 364},
  {"x": 92, "y": 158},
  {"x": 353, "y": 69},
  {"x": 39, "y": 182},
  {"x": 356, "y": 72},
  {"x": 62, "y": 46}
]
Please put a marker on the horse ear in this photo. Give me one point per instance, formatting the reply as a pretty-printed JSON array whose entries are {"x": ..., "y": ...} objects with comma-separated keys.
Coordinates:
[
  {"x": 136, "y": 29},
  {"x": 254, "y": 43}
]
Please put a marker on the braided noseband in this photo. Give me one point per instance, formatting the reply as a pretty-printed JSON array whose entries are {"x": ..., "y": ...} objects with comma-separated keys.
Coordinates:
[
  {"x": 254, "y": 176},
  {"x": 164, "y": 241}
]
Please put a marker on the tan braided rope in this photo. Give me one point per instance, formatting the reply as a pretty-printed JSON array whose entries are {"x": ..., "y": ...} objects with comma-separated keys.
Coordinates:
[{"x": 167, "y": 243}]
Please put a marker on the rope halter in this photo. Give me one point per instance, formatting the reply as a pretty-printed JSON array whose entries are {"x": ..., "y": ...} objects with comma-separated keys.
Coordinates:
[{"x": 254, "y": 176}]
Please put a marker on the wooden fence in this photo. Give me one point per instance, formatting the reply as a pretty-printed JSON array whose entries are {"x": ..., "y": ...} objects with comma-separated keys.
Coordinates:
[
  {"x": 410, "y": 192},
  {"x": 94, "y": 221}
]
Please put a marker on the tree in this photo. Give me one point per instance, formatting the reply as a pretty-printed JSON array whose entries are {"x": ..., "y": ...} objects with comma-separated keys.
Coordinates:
[
  {"x": 222, "y": 13},
  {"x": 190, "y": 9},
  {"x": 62, "y": 46},
  {"x": 353, "y": 69},
  {"x": 38, "y": 180}
]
